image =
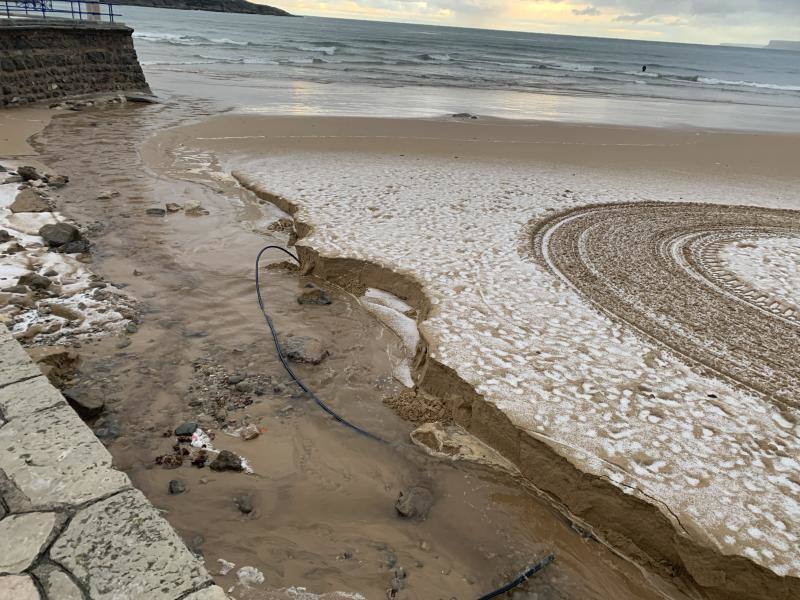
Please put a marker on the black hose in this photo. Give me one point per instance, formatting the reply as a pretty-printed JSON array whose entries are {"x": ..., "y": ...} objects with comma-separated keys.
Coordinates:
[
  {"x": 521, "y": 579},
  {"x": 509, "y": 586},
  {"x": 285, "y": 363}
]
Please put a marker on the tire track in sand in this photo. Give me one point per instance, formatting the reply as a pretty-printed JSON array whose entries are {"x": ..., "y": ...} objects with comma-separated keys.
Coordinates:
[{"x": 656, "y": 266}]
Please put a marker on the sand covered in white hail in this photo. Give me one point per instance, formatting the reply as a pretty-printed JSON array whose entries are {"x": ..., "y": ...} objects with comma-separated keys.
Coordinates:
[
  {"x": 770, "y": 265},
  {"x": 615, "y": 405},
  {"x": 73, "y": 281}
]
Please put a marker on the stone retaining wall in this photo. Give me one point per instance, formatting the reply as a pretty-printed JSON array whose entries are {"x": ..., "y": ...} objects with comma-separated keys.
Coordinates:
[
  {"x": 72, "y": 527},
  {"x": 45, "y": 59}
]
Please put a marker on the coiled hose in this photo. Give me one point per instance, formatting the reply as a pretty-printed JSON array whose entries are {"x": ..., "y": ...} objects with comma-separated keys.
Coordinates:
[{"x": 336, "y": 416}]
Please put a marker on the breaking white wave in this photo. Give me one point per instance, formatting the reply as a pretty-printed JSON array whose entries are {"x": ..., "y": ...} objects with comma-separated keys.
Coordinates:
[{"x": 753, "y": 84}]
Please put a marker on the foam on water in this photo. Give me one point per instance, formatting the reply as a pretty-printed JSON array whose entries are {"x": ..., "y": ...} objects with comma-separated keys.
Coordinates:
[{"x": 619, "y": 406}]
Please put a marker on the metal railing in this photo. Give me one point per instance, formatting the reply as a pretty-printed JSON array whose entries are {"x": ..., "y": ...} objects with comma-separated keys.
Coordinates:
[{"x": 81, "y": 10}]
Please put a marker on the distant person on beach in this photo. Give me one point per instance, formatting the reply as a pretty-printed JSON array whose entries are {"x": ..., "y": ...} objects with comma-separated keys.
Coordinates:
[{"x": 644, "y": 68}]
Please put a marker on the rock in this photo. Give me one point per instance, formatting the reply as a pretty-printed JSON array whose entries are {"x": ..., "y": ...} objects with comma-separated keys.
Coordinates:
[
  {"x": 311, "y": 294},
  {"x": 123, "y": 343},
  {"x": 464, "y": 116},
  {"x": 34, "y": 281},
  {"x": 122, "y": 547},
  {"x": 18, "y": 587},
  {"x": 194, "y": 209},
  {"x": 244, "y": 387},
  {"x": 56, "y": 583},
  {"x": 5, "y": 236},
  {"x": 304, "y": 350},
  {"x": 155, "y": 212},
  {"x": 131, "y": 327},
  {"x": 414, "y": 503},
  {"x": 107, "y": 194},
  {"x": 65, "y": 312},
  {"x": 176, "y": 486},
  {"x": 248, "y": 576},
  {"x": 29, "y": 200},
  {"x": 237, "y": 378},
  {"x": 226, "y": 461},
  {"x": 23, "y": 537},
  {"x": 250, "y": 432},
  {"x": 187, "y": 428},
  {"x": 59, "y": 234},
  {"x": 244, "y": 503},
  {"x": 173, "y": 207},
  {"x": 16, "y": 289},
  {"x": 86, "y": 406},
  {"x": 57, "y": 181},
  {"x": 76, "y": 247},
  {"x": 107, "y": 428},
  {"x": 28, "y": 173}
]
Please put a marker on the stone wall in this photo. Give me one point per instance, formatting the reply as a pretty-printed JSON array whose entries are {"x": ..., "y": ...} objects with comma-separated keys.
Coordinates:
[
  {"x": 72, "y": 527},
  {"x": 45, "y": 59}
]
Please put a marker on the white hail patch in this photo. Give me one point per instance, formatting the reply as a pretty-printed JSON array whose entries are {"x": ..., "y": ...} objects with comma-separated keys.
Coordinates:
[{"x": 612, "y": 403}]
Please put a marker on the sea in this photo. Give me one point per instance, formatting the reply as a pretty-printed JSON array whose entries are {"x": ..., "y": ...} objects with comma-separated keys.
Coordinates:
[{"x": 313, "y": 65}]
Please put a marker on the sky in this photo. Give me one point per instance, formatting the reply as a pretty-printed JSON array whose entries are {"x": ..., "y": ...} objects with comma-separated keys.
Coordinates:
[{"x": 698, "y": 21}]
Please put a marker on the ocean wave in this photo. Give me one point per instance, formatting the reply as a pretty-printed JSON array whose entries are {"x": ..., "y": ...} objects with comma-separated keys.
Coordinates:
[
  {"x": 754, "y": 84},
  {"x": 185, "y": 40},
  {"x": 329, "y": 50},
  {"x": 435, "y": 57}
]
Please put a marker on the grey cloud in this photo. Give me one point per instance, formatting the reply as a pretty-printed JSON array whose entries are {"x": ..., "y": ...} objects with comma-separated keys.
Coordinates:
[{"x": 589, "y": 11}]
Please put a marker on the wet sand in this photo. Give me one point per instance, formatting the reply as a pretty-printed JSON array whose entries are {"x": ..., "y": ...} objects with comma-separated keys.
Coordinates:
[
  {"x": 323, "y": 498},
  {"x": 608, "y": 163}
]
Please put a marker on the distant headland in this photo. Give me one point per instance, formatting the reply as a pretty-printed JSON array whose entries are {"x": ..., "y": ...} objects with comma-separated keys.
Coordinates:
[{"x": 229, "y": 6}]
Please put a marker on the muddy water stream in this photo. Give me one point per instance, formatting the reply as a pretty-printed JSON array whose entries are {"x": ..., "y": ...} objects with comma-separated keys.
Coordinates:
[{"x": 323, "y": 497}]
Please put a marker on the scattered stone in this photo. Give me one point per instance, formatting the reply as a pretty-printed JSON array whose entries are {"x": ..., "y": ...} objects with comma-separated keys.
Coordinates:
[
  {"x": 57, "y": 181},
  {"x": 169, "y": 461},
  {"x": 173, "y": 207},
  {"x": 187, "y": 428},
  {"x": 226, "y": 461},
  {"x": 244, "y": 503},
  {"x": 244, "y": 387},
  {"x": 283, "y": 265},
  {"x": 304, "y": 350},
  {"x": 250, "y": 432},
  {"x": 198, "y": 459},
  {"x": 56, "y": 583},
  {"x": 5, "y": 236},
  {"x": 123, "y": 343},
  {"x": 65, "y": 312},
  {"x": 137, "y": 273},
  {"x": 155, "y": 212},
  {"x": 29, "y": 200},
  {"x": 107, "y": 428},
  {"x": 34, "y": 281},
  {"x": 282, "y": 225},
  {"x": 18, "y": 587},
  {"x": 85, "y": 405},
  {"x": 176, "y": 486},
  {"x": 16, "y": 289},
  {"x": 28, "y": 173},
  {"x": 225, "y": 566},
  {"x": 194, "y": 209},
  {"x": 76, "y": 247},
  {"x": 59, "y": 234},
  {"x": 250, "y": 576},
  {"x": 108, "y": 195},
  {"x": 311, "y": 294},
  {"x": 237, "y": 378},
  {"x": 23, "y": 537},
  {"x": 414, "y": 503},
  {"x": 131, "y": 327}
]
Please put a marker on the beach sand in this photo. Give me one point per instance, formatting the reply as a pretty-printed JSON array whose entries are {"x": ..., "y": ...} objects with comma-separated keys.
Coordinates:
[{"x": 542, "y": 325}]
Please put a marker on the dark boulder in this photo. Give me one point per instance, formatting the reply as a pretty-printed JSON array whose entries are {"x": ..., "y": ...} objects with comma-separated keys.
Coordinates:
[{"x": 59, "y": 234}]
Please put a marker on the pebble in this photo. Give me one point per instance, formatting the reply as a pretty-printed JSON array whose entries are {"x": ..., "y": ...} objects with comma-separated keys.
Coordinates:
[
  {"x": 414, "y": 503},
  {"x": 187, "y": 428},
  {"x": 237, "y": 378},
  {"x": 244, "y": 503},
  {"x": 176, "y": 486},
  {"x": 250, "y": 432},
  {"x": 131, "y": 327},
  {"x": 311, "y": 294},
  {"x": 123, "y": 343},
  {"x": 226, "y": 461}
]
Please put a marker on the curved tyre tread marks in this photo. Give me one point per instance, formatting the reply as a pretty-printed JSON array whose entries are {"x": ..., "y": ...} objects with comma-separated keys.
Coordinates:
[{"x": 657, "y": 267}]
